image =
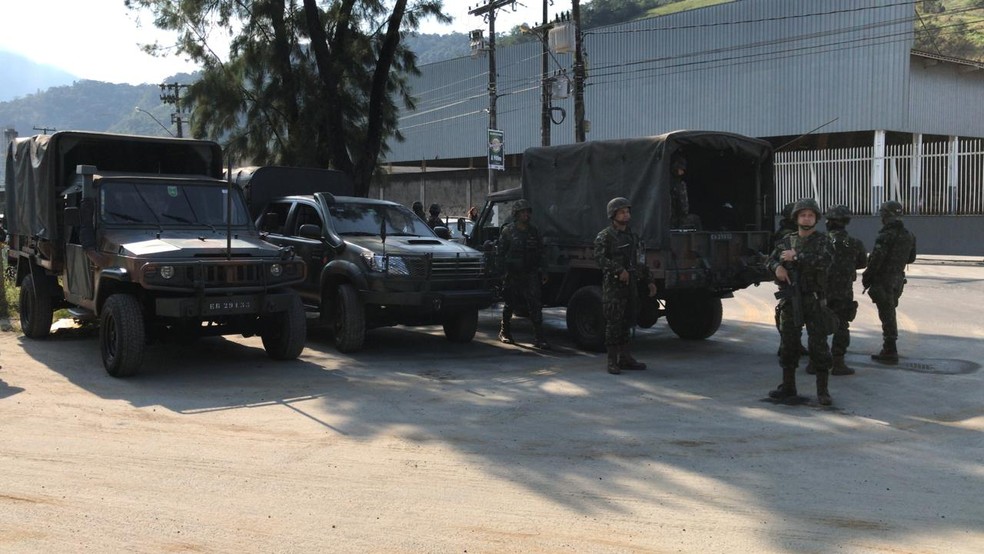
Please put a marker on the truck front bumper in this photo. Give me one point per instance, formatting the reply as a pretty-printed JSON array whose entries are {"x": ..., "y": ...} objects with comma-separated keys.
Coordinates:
[{"x": 215, "y": 306}]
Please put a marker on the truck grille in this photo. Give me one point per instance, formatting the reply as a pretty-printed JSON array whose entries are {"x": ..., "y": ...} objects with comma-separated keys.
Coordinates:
[
  {"x": 446, "y": 269},
  {"x": 224, "y": 275}
]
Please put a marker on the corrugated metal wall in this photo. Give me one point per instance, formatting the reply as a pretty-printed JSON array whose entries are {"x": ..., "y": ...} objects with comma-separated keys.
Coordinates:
[
  {"x": 946, "y": 99},
  {"x": 755, "y": 67}
]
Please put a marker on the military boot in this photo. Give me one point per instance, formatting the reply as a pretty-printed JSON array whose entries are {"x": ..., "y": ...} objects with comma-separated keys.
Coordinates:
[
  {"x": 613, "y": 361},
  {"x": 823, "y": 395},
  {"x": 840, "y": 368},
  {"x": 505, "y": 332},
  {"x": 538, "y": 341},
  {"x": 888, "y": 354},
  {"x": 787, "y": 389},
  {"x": 626, "y": 361}
]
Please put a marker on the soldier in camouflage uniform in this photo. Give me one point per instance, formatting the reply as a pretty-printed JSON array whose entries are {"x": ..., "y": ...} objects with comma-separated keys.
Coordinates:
[
  {"x": 800, "y": 262},
  {"x": 895, "y": 247},
  {"x": 621, "y": 259},
  {"x": 849, "y": 255},
  {"x": 786, "y": 226},
  {"x": 521, "y": 254}
]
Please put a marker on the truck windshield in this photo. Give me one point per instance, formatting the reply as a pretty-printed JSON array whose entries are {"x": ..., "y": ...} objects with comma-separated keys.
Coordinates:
[
  {"x": 163, "y": 204},
  {"x": 367, "y": 220}
]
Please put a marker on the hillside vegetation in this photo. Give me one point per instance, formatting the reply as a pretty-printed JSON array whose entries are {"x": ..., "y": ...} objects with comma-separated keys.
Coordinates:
[{"x": 948, "y": 27}]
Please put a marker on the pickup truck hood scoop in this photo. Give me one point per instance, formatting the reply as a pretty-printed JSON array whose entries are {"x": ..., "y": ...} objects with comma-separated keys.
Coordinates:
[{"x": 413, "y": 245}]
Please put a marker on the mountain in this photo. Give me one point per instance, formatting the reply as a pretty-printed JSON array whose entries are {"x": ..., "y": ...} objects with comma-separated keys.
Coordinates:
[{"x": 20, "y": 76}]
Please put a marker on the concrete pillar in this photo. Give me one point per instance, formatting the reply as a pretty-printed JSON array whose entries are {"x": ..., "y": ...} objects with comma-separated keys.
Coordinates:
[
  {"x": 915, "y": 174},
  {"x": 878, "y": 172},
  {"x": 953, "y": 174}
]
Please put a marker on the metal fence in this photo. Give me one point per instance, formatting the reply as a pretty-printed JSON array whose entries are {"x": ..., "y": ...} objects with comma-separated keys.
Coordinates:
[{"x": 932, "y": 178}]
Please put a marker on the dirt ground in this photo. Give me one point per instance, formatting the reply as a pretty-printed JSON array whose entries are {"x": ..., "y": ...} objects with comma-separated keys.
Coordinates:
[{"x": 421, "y": 445}]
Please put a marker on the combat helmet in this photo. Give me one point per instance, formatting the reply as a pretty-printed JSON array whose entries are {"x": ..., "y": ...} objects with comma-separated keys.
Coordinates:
[
  {"x": 787, "y": 211},
  {"x": 616, "y": 204},
  {"x": 805, "y": 204},
  {"x": 891, "y": 210},
  {"x": 839, "y": 212},
  {"x": 435, "y": 209},
  {"x": 521, "y": 205}
]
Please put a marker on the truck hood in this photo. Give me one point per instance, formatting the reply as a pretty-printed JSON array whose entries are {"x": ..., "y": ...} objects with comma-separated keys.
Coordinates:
[
  {"x": 185, "y": 244},
  {"x": 398, "y": 245}
]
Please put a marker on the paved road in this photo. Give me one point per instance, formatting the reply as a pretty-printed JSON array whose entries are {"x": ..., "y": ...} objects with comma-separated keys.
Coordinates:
[{"x": 420, "y": 445}]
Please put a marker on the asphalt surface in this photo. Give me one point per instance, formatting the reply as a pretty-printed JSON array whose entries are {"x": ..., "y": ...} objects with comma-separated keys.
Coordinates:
[{"x": 421, "y": 445}]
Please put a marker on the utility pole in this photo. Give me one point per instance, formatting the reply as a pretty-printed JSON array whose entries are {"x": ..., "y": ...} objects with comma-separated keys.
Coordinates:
[
  {"x": 545, "y": 85},
  {"x": 488, "y": 10},
  {"x": 171, "y": 94},
  {"x": 578, "y": 74}
]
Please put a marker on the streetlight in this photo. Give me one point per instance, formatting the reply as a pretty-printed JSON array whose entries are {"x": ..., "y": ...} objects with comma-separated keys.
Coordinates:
[{"x": 141, "y": 110}]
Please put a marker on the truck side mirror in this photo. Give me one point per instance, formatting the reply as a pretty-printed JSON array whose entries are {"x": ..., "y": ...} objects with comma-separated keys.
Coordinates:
[
  {"x": 269, "y": 221},
  {"x": 310, "y": 231},
  {"x": 442, "y": 232},
  {"x": 461, "y": 225},
  {"x": 72, "y": 217}
]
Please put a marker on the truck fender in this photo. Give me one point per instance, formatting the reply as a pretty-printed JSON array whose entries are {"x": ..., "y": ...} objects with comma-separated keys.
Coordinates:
[{"x": 342, "y": 270}]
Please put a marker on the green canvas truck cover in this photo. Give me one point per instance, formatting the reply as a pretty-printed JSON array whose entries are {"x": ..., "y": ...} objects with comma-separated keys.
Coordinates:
[
  {"x": 569, "y": 186},
  {"x": 41, "y": 167}
]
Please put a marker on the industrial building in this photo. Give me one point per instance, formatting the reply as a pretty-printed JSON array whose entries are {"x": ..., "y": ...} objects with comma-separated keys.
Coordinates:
[{"x": 857, "y": 115}]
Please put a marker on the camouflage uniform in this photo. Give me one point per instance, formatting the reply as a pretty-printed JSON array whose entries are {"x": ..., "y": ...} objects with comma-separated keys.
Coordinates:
[
  {"x": 895, "y": 246},
  {"x": 614, "y": 252},
  {"x": 813, "y": 257},
  {"x": 786, "y": 226},
  {"x": 521, "y": 255},
  {"x": 849, "y": 255}
]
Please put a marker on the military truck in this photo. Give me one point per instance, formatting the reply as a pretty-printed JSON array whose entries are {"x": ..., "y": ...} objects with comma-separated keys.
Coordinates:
[
  {"x": 141, "y": 234},
  {"x": 730, "y": 184},
  {"x": 371, "y": 263}
]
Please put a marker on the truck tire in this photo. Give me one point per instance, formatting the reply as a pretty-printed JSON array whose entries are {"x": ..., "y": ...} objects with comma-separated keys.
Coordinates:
[
  {"x": 348, "y": 319},
  {"x": 284, "y": 333},
  {"x": 122, "y": 335},
  {"x": 693, "y": 316},
  {"x": 586, "y": 318},
  {"x": 36, "y": 309},
  {"x": 461, "y": 326}
]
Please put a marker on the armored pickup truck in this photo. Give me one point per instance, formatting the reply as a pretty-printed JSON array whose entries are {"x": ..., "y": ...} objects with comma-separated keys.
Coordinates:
[
  {"x": 696, "y": 258},
  {"x": 371, "y": 263},
  {"x": 143, "y": 236}
]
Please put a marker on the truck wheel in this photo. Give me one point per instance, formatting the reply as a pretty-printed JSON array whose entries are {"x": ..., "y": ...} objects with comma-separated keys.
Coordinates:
[
  {"x": 122, "y": 336},
  {"x": 586, "y": 318},
  {"x": 36, "y": 309},
  {"x": 348, "y": 319},
  {"x": 461, "y": 326},
  {"x": 693, "y": 316},
  {"x": 284, "y": 333}
]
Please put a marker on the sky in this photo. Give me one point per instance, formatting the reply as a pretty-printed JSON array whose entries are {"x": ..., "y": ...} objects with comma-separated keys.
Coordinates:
[{"x": 100, "y": 39}]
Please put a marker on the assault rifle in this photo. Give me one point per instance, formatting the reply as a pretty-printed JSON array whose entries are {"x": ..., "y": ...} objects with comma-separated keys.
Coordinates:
[{"x": 793, "y": 292}]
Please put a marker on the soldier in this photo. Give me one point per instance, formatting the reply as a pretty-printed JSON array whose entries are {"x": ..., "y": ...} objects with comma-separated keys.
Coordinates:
[
  {"x": 623, "y": 267},
  {"x": 849, "y": 255},
  {"x": 418, "y": 210},
  {"x": 895, "y": 247},
  {"x": 435, "y": 216},
  {"x": 680, "y": 216},
  {"x": 521, "y": 255},
  {"x": 800, "y": 262},
  {"x": 786, "y": 226}
]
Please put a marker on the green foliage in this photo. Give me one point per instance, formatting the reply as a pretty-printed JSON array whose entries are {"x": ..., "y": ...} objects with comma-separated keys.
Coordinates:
[
  {"x": 951, "y": 28},
  {"x": 307, "y": 83}
]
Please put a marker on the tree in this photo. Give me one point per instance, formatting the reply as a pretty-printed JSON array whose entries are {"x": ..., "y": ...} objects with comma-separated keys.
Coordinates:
[{"x": 311, "y": 83}]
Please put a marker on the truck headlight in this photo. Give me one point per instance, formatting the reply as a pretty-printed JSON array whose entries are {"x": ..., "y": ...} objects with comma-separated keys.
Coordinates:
[
  {"x": 391, "y": 265},
  {"x": 167, "y": 271},
  {"x": 276, "y": 270}
]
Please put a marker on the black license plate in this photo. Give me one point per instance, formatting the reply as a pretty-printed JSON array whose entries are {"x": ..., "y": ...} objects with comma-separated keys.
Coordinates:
[{"x": 233, "y": 305}]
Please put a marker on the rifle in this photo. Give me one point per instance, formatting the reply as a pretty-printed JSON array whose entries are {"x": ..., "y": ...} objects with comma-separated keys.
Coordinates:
[{"x": 793, "y": 292}]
